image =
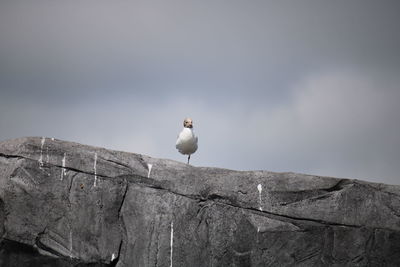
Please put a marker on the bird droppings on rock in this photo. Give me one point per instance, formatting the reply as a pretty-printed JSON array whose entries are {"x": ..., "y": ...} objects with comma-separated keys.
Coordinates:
[
  {"x": 172, "y": 244},
  {"x": 149, "y": 166},
  {"x": 63, "y": 170},
  {"x": 259, "y": 188},
  {"x": 41, "y": 152},
  {"x": 185, "y": 216},
  {"x": 95, "y": 169}
]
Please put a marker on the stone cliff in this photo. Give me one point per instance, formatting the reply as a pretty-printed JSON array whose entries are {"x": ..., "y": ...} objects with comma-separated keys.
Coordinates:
[{"x": 67, "y": 204}]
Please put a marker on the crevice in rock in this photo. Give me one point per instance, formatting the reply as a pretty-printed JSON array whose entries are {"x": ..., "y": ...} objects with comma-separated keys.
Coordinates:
[
  {"x": 223, "y": 201},
  {"x": 114, "y": 262},
  {"x": 80, "y": 171},
  {"x": 11, "y": 156},
  {"x": 202, "y": 206},
  {"x": 43, "y": 247},
  {"x": 123, "y": 243},
  {"x": 312, "y": 199},
  {"x": 71, "y": 182},
  {"x": 357, "y": 259},
  {"x": 214, "y": 197},
  {"x": 117, "y": 163},
  {"x": 277, "y": 215},
  {"x": 338, "y": 186},
  {"x": 14, "y": 253},
  {"x": 309, "y": 256},
  {"x": 123, "y": 198},
  {"x": 290, "y": 197},
  {"x": 154, "y": 184},
  {"x": 151, "y": 183},
  {"x": 322, "y": 222},
  {"x": 395, "y": 212}
]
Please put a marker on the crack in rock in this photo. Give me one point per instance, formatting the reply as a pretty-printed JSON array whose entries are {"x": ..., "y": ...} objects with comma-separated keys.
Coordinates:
[{"x": 151, "y": 183}]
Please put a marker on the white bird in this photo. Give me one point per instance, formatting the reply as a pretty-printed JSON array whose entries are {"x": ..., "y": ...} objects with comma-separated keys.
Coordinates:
[{"x": 187, "y": 140}]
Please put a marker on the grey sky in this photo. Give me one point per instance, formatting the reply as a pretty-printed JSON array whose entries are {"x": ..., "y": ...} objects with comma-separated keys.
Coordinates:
[{"x": 303, "y": 86}]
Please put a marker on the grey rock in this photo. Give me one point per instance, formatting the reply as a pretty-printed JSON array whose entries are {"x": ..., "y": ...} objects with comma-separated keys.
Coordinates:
[{"x": 67, "y": 204}]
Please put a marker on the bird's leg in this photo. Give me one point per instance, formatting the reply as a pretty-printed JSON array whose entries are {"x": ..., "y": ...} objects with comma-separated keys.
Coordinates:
[{"x": 188, "y": 159}]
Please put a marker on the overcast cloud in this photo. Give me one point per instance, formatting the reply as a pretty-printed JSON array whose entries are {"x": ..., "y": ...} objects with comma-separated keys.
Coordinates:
[{"x": 302, "y": 86}]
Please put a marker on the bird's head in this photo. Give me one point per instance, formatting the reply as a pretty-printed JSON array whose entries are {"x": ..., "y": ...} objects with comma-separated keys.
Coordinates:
[{"x": 188, "y": 123}]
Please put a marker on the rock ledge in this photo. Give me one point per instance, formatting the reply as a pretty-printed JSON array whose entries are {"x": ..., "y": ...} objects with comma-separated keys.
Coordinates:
[{"x": 67, "y": 204}]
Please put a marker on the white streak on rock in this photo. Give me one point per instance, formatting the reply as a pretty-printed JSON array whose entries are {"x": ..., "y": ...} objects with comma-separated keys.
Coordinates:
[
  {"x": 70, "y": 243},
  {"x": 47, "y": 158},
  {"x": 95, "y": 169},
  {"x": 63, "y": 170},
  {"x": 113, "y": 257},
  {"x": 259, "y": 187},
  {"x": 172, "y": 242},
  {"x": 41, "y": 152},
  {"x": 149, "y": 167}
]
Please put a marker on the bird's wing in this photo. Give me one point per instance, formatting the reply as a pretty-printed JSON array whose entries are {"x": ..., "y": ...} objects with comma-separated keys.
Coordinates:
[{"x": 178, "y": 141}]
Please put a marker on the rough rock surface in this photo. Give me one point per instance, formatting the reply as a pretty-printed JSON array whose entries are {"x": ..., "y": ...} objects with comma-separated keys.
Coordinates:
[{"x": 67, "y": 204}]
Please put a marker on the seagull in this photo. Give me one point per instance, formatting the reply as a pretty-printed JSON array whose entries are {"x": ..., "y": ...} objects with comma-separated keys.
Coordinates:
[{"x": 187, "y": 141}]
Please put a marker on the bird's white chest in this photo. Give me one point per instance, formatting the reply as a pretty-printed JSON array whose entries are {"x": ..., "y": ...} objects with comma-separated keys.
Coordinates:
[{"x": 187, "y": 142}]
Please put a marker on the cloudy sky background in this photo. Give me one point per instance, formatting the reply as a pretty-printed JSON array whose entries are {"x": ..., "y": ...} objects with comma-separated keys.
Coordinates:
[{"x": 302, "y": 86}]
